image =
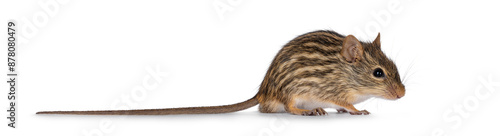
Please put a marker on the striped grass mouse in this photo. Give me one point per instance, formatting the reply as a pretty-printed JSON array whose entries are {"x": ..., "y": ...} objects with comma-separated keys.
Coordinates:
[{"x": 316, "y": 70}]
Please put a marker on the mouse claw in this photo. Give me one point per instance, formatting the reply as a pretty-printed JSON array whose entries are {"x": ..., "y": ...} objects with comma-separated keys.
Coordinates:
[
  {"x": 315, "y": 112},
  {"x": 361, "y": 112}
]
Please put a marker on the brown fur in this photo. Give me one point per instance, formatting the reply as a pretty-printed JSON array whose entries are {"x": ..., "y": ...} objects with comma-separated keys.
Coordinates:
[
  {"x": 320, "y": 66},
  {"x": 314, "y": 64}
]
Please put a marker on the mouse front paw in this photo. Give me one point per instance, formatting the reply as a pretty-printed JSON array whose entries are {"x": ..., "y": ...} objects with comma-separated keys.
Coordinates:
[
  {"x": 315, "y": 112},
  {"x": 361, "y": 112}
]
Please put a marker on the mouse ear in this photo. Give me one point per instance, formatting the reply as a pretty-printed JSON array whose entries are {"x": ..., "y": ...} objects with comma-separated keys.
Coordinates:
[
  {"x": 352, "y": 49},
  {"x": 377, "y": 40}
]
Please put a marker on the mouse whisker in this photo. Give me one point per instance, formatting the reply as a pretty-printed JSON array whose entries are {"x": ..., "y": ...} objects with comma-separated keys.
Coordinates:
[{"x": 410, "y": 67}]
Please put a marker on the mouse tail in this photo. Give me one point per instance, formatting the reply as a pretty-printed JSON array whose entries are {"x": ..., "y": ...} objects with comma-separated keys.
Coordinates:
[{"x": 167, "y": 111}]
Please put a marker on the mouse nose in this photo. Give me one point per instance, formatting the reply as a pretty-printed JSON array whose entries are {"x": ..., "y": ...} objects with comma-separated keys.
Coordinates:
[{"x": 400, "y": 92}]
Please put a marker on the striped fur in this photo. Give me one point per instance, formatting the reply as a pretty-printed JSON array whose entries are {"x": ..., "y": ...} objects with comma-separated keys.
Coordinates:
[{"x": 312, "y": 66}]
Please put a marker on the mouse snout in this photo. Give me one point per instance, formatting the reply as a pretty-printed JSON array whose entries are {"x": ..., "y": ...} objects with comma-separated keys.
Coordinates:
[
  {"x": 400, "y": 91},
  {"x": 396, "y": 92},
  {"x": 399, "y": 95}
]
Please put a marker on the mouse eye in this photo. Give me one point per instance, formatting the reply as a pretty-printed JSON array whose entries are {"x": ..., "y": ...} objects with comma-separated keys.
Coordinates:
[{"x": 379, "y": 73}]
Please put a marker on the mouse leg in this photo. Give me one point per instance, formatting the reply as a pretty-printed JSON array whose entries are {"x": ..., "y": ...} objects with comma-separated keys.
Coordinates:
[
  {"x": 271, "y": 106},
  {"x": 290, "y": 107},
  {"x": 352, "y": 110}
]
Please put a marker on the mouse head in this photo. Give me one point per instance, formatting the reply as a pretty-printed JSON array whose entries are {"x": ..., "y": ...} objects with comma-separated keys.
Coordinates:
[{"x": 371, "y": 72}]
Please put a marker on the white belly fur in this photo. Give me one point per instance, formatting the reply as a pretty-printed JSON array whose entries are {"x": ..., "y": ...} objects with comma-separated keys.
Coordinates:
[{"x": 310, "y": 104}]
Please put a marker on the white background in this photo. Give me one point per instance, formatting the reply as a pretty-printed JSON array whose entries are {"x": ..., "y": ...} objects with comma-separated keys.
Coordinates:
[{"x": 93, "y": 55}]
